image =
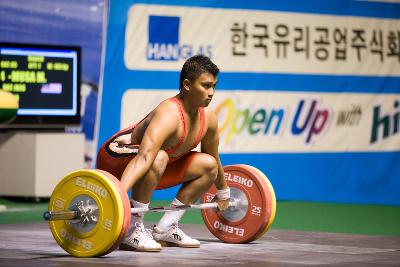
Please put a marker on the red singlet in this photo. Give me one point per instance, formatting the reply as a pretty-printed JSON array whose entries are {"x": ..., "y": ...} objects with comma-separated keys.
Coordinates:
[{"x": 115, "y": 162}]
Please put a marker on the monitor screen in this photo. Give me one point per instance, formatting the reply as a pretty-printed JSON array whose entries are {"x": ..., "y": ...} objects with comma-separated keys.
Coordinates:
[{"x": 46, "y": 79}]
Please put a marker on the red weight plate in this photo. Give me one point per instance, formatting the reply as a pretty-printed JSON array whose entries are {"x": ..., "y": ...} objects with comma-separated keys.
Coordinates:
[
  {"x": 253, "y": 186},
  {"x": 127, "y": 210}
]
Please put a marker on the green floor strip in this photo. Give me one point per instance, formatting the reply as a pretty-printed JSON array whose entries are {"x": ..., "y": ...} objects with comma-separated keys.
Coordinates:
[
  {"x": 21, "y": 211},
  {"x": 303, "y": 216},
  {"x": 342, "y": 218}
]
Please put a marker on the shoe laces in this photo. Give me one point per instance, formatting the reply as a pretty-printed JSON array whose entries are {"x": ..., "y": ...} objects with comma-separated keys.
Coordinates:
[
  {"x": 147, "y": 232},
  {"x": 176, "y": 229}
]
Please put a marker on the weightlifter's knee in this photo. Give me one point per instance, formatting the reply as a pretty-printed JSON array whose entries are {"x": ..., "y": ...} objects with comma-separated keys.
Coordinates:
[
  {"x": 160, "y": 163},
  {"x": 210, "y": 166}
]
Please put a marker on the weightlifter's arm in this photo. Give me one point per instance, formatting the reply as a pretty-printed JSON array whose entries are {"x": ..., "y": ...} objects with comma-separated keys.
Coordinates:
[
  {"x": 209, "y": 145},
  {"x": 163, "y": 124}
]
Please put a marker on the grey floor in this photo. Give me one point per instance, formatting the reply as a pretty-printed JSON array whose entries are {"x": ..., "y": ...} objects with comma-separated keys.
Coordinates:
[{"x": 33, "y": 245}]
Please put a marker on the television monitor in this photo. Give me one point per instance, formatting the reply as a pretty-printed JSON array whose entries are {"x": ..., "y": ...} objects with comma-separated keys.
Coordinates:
[{"x": 46, "y": 79}]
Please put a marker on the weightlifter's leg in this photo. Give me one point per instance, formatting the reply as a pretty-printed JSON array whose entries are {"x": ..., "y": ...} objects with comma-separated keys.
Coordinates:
[
  {"x": 197, "y": 179},
  {"x": 143, "y": 189},
  {"x": 138, "y": 237}
]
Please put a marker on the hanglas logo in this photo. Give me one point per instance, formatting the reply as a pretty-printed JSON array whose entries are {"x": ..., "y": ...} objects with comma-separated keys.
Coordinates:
[{"x": 164, "y": 41}]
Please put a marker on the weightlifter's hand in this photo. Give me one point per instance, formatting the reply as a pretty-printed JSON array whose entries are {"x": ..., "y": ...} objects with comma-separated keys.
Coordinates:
[
  {"x": 223, "y": 204},
  {"x": 222, "y": 198}
]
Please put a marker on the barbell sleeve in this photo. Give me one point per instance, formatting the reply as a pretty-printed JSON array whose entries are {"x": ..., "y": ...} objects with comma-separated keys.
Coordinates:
[{"x": 55, "y": 215}]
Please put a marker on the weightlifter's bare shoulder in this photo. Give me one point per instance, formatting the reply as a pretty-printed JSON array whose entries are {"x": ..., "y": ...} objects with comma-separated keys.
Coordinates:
[
  {"x": 163, "y": 124},
  {"x": 168, "y": 112},
  {"x": 165, "y": 115},
  {"x": 165, "y": 111}
]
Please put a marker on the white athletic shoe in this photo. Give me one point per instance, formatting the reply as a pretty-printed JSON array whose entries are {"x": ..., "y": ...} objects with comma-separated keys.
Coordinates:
[
  {"x": 140, "y": 240},
  {"x": 174, "y": 237}
]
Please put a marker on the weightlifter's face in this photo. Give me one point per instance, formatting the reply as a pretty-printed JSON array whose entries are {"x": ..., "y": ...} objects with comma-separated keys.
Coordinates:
[{"x": 203, "y": 88}]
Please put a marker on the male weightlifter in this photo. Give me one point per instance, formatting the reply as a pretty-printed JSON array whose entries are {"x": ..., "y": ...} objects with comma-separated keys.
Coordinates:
[{"x": 156, "y": 153}]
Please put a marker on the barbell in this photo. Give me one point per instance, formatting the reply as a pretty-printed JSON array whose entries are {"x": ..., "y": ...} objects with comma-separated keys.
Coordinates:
[{"x": 89, "y": 212}]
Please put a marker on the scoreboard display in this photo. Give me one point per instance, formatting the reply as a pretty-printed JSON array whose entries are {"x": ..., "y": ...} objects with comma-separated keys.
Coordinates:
[{"x": 45, "y": 79}]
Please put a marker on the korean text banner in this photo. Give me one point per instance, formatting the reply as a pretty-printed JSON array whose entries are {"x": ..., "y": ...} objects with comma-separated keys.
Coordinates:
[{"x": 309, "y": 91}]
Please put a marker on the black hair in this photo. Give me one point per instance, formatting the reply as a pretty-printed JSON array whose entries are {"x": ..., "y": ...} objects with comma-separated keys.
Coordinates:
[{"x": 195, "y": 66}]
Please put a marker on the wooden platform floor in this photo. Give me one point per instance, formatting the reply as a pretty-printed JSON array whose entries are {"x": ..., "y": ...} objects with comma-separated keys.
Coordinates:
[{"x": 33, "y": 245}]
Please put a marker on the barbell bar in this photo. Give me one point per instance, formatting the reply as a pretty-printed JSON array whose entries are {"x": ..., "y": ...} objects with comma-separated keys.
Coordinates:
[{"x": 76, "y": 214}]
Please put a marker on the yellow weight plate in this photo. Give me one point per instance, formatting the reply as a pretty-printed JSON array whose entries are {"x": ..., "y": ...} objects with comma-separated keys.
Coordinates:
[{"x": 95, "y": 190}]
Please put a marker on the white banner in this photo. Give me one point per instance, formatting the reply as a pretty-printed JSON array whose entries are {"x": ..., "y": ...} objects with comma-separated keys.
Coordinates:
[
  {"x": 260, "y": 121},
  {"x": 161, "y": 37}
]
